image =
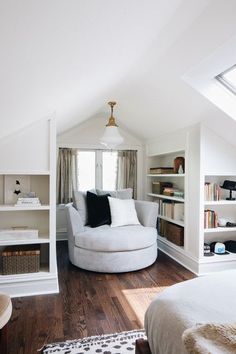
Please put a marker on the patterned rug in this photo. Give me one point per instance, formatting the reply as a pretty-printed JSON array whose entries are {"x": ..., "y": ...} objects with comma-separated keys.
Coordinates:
[{"x": 118, "y": 343}]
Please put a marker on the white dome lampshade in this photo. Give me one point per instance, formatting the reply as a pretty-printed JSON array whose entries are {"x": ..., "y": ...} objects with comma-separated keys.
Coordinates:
[{"x": 111, "y": 137}]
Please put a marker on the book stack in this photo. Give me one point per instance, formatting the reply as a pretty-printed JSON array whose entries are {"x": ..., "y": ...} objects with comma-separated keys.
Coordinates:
[
  {"x": 171, "y": 210},
  {"x": 210, "y": 219},
  {"x": 161, "y": 170},
  {"x": 212, "y": 191},
  {"x": 34, "y": 201},
  {"x": 173, "y": 192}
]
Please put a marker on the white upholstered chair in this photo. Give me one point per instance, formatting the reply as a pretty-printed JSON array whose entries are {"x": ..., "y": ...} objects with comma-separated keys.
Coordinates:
[{"x": 117, "y": 249}]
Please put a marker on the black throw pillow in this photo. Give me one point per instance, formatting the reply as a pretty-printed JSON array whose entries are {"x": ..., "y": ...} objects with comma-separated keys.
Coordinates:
[{"x": 98, "y": 209}]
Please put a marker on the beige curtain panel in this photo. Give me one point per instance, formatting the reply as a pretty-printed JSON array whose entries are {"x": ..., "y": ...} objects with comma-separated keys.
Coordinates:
[
  {"x": 127, "y": 170},
  {"x": 66, "y": 175}
]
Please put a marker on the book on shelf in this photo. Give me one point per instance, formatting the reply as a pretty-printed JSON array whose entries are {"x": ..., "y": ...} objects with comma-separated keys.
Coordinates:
[
  {"x": 171, "y": 210},
  {"x": 173, "y": 192},
  {"x": 210, "y": 219},
  {"x": 158, "y": 187},
  {"x": 212, "y": 191},
  {"x": 161, "y": 170},
  {"x": 28, "y": 201}
]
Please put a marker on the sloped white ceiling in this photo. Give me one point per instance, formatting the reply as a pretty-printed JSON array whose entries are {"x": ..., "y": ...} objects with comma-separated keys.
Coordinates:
[{"x": 69, "y": 57}]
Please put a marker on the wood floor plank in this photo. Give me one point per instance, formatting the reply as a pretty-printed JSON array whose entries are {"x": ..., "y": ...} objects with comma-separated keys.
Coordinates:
[{"x": 88, "y": 303}]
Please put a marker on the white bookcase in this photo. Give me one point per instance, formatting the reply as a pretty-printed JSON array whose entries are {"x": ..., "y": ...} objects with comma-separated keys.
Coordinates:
[
  {"x": 178, "y": 181},
  {"x": 224, "y": 209},
  {"x": 209, "y": 157},
  {"x": 33, "y": 164}
]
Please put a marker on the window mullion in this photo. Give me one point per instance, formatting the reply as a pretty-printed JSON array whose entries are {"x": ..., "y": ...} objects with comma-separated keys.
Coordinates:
[{"x": 98, "y": 178}]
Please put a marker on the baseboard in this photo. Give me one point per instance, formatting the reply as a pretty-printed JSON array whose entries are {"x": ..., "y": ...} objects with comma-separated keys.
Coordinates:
[
  {"x": 31, "y": 288},
  {"x": 180, "y": 256}
]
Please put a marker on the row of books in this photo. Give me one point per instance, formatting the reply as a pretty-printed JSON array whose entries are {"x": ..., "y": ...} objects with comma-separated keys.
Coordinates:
[
  {"x": 212, "y": 191},
  {"x": 210, "y": 219},
  {"x": 171, "y": 210},
  {"x": 34, "y": 201}
]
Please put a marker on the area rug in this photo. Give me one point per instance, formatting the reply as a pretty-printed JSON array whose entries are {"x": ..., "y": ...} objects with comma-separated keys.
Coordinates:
[{"x": 118, "y": 343}]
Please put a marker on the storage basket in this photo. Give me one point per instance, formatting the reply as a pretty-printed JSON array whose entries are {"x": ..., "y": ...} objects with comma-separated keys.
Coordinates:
[
  {"x": 18, "y": 260},
  {"x": 175, "y": 234}
]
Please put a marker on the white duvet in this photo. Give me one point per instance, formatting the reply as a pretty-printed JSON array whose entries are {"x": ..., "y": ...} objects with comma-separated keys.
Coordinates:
[{"x": 202, "y": 300}]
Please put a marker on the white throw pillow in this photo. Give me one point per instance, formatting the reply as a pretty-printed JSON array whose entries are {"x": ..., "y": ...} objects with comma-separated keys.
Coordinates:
[{"x": 123, "y": 212}]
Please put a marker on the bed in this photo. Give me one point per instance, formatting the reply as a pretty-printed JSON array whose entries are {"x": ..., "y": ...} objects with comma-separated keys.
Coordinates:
[{"x": 201, "y": 300}]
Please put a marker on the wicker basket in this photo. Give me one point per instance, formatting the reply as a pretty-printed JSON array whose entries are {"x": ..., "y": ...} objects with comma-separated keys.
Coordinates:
[{"x": 18, "y": 260}]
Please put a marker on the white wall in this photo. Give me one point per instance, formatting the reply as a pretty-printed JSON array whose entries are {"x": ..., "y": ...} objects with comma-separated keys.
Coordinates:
[{"x": 27, "y": 150}]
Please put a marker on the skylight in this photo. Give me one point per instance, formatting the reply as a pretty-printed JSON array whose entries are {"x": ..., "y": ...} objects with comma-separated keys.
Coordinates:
[{"x": 228, "y": 79}]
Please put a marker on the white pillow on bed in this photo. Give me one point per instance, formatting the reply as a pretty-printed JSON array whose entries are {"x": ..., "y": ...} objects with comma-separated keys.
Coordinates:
[{"x": 123, "y": 212}]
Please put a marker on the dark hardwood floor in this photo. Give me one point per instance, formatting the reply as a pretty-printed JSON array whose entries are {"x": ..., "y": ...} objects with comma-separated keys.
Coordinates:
[{"x": 88, "y": 303}]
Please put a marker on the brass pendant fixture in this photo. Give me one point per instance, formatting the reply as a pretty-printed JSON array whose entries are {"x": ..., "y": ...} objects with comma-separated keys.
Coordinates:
[{"x": 111, "y": 137}]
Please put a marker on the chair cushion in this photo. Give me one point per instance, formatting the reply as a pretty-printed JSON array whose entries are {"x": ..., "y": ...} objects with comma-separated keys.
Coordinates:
[
  {"x": 98, "y": 209},
  {"x": 120, "y": 193},
  {"x": 124, "y": 238}
]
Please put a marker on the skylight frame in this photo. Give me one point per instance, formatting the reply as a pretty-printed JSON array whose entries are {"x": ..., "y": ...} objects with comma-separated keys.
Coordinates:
[
  {"x": 221, "y": 78},
  {"x": 225, "y": 82}
]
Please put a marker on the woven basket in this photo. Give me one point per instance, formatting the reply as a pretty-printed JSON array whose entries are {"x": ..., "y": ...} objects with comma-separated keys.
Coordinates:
[{"x": 20, "y": 260}]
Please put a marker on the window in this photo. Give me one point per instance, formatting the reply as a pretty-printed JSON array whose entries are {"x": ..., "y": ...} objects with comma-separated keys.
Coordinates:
[
  {"x": 86, "y": 170},
  {"x": 97, "y": 169},
  {"x": 228, "y": 79},
  {"x": 109, "y": 170}
]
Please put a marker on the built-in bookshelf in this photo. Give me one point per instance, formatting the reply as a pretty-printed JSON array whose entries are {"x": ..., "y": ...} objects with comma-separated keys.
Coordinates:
[
  {"x": 224, "y": 211},
  {"x": 27, "y": 213},
  {"x": 168, "y": 190}
]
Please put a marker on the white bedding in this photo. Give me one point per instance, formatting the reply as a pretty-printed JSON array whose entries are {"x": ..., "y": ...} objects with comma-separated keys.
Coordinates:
[{"x": 202, "y": 300}]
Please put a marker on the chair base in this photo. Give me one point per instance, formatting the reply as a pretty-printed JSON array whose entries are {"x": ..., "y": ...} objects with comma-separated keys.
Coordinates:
[{"x": 114, "y": 262}]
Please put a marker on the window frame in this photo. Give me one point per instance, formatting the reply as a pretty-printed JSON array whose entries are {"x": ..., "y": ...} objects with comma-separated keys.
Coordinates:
[{"x": 225, "y": 82}]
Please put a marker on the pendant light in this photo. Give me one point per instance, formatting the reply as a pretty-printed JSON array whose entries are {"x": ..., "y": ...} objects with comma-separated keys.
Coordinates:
[{"x": 111, "y": 137}]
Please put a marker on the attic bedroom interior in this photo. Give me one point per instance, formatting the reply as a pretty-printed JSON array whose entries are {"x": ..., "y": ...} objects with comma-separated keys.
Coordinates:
[{"x": 118, "y": 176}]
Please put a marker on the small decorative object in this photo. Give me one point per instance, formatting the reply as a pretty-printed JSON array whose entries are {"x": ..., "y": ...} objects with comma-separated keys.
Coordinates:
[
  {"x": 17, "y": 188},
  {"x": 179, "y": 164},
  {"x": 180, "y": 170},
  {"x": 218, "y": 248},
  {"x": 231, "y": 186},
  {"x": 222, "y": 222},
  {"x": 111, "y": 137},
  {"x": 207, "y": 250}
]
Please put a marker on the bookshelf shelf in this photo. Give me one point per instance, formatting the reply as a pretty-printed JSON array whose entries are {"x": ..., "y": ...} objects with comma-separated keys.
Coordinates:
[
  {"x": 219, "y": 258},
  {"x": 220, "y": 202},
  {"x": 39, "y": 240},
  {"x": 220, "y": 229},
  {"x": 23, "y": 208},
  {"x": 161, "y": 196},
  {"x": 166, "y": 175},
  {"x": 177, "y": 222}
]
